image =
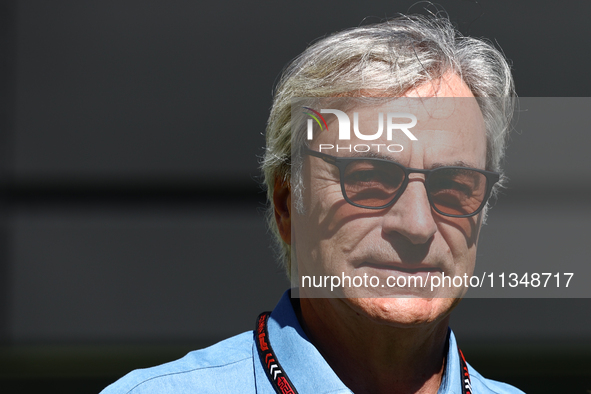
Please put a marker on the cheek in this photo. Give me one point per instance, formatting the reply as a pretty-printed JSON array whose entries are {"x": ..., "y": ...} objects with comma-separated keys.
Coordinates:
[
  {"x": 332, "y": 245},
  {"x": 461, "y": 236},
  {"x": 344, "y": 239},
  {"x": 326, "y": 231}
]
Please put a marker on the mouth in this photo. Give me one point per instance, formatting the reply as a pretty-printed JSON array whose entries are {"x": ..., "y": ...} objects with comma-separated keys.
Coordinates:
[{"x": 411, "y": 270}]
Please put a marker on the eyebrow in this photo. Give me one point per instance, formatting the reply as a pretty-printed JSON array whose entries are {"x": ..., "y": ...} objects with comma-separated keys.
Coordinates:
[
  {"x": 457, "y": 163},
  {"x": 377, "y": 155},
  {"x": 372, "y": 155}
]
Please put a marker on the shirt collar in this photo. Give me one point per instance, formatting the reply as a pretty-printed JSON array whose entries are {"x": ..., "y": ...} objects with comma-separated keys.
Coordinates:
[{"x": 451, "y": 382}]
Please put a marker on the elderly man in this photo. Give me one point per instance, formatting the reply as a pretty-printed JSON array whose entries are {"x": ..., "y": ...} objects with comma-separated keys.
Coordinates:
[{"x": 356, "y": 214}]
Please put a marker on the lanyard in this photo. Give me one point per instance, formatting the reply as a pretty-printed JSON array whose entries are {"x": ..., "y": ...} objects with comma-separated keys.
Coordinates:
[
  {"x": 275, "y": 373},
  {"x": 465, "y": 375},
  {"x": 279, "y": 379}
]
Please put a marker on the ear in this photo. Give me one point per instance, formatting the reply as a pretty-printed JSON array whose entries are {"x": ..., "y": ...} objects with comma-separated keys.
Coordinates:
[{"x": 282, "y": 203}]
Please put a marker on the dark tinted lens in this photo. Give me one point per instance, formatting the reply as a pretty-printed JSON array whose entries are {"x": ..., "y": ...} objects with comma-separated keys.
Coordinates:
[
  {"x": 457, "y": 191},
  {"x": 372, "y": 183}
]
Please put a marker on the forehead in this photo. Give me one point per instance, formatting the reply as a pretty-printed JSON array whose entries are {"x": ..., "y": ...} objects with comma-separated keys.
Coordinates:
[{"x": 447, "y": 130}]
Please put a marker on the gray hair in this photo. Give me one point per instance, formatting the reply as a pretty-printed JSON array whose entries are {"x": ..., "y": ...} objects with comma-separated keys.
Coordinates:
[{"x": 386, "y": 59}]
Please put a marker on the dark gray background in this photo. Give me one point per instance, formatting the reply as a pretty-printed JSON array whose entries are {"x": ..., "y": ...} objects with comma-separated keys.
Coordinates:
[{"x": 132, "y": 225}]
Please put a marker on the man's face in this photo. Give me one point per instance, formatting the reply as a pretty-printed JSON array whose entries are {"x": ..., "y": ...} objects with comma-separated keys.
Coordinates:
[{"x": 334, "y": 238}]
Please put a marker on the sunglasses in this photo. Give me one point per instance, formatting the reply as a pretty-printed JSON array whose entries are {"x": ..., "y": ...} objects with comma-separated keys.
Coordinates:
[{"x": 374, "y": 183}]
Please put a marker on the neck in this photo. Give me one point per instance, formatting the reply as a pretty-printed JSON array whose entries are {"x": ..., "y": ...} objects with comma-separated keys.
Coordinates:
[{"x": 376, "y": 357}]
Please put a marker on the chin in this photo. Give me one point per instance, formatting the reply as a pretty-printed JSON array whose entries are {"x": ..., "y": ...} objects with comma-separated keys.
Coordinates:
[{"x": 404, "y": 312}]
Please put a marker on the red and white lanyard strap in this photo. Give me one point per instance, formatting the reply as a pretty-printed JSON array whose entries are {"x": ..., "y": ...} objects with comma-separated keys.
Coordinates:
[
  {"x": 466, "y": 384},
  {"x": 279, "y": 379},
  {"x": 273, "y": 369}
]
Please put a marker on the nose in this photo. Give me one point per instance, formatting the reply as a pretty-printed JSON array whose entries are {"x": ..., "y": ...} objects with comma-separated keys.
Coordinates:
[{"x": 411, "y": 216}]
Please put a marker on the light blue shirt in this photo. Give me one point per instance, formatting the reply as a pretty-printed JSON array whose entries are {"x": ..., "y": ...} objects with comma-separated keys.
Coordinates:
[{"x": 233, "y": 366}]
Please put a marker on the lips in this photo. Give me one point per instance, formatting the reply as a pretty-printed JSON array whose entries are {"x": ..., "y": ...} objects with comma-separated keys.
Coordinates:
[{"x": 416, "y": 270}]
